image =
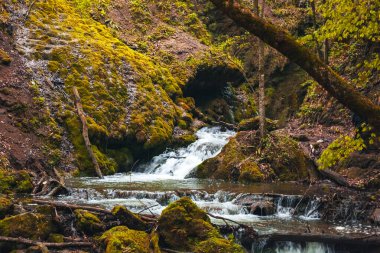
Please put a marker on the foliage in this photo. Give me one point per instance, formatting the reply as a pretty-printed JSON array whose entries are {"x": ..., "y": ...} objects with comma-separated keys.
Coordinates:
[{"x": 341, "y": 148}]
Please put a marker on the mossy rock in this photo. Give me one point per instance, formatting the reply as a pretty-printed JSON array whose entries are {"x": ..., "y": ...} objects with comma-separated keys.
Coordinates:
[
  {"x": 218, "y": 245},
  {"x": 15, "y": 181},
  {"x": 5, "y": 59},
  {"x": 184, "y": 226},
  {"x": 56, "y": 238},
  {"x": 5, "y": 206},
  {"x": 123, "y": 239},
  {"x": 129, "y": 219},
  {"x": 88, "y": 222},
  {"x": 248, "y": 159},
  {"x": 250, "y": 173},
  {"x": 254, "y": 124},
  {"x": 33, "y": 226}
]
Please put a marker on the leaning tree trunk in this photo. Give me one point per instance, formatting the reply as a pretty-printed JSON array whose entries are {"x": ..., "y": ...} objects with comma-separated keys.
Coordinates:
[{"x": 281, "y": 40}]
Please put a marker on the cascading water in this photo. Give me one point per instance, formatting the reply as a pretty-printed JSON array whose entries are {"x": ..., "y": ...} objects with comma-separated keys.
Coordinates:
[
  {"x": 163, "y": 180},
  {"x": 178, "y": 163}
]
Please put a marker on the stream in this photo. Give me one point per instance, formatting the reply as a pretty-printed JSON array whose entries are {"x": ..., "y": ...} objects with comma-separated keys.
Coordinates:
[{"x": 152, "y": 186}]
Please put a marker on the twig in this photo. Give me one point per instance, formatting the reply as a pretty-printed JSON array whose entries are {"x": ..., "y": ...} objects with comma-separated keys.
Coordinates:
[
  {"x": 148, "y": 208},
  {"x": 46, "y": 244}
]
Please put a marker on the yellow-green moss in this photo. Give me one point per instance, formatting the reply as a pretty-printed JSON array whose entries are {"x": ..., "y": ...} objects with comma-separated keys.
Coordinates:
[
  {"x": 250, "y": 173},
  {"x": 57, "y": 238},
  {"x": 123, "y": 239},
  {"x": 88, "y": 222},
  {"x": 218, "y": 245},
  {"x": 5, "y": 206},
  {"x": 5, "y": 59},
  {"x": 28, "y": 225},
  {"x": 15, "y": 181},
  {"x": 154, "y": 243},
  {"x": 129, "y": 219},
  {"x": 184, "y": 226}
]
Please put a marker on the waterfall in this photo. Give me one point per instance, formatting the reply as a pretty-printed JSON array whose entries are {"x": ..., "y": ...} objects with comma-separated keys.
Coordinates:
[{"x": 178, "y": 163}]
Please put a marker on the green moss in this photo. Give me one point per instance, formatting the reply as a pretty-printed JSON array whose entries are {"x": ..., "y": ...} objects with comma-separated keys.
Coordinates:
[
  {"x": 218, "y": 245},
  {"x": 15, "y": 181},
  {"x": 184, "y": 226},
  {"x": 123, "y": 239},
  {"x": 254, "y": 123},
  {"x": 5, "y": 59},
  {"x": 5, "y": 206},
  {"x": 129, "y": 219},
  {"x": 28, "y": 225},
  {"x": 88, "y": 222},
  {"x": 250, "y": 173},
  {"x": 56, "y": 238}
]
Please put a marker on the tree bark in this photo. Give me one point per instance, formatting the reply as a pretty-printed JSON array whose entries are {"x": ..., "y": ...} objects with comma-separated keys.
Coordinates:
[
  {"x": 261, "y": 77},
  {"x": 85, "y": 132},
  {"x": 281, "y": 40},
  {"x": 46, "y": 244}
]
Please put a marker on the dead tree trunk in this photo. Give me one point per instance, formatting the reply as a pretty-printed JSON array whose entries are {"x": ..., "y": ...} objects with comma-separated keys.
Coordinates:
[
  {"x": 261, "y": 78},
  {"x": 85, "y": 133},
  {"x": 281, "y": 40}
]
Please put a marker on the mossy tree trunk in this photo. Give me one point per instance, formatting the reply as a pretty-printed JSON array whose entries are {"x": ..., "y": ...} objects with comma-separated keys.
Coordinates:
[
  {"x": 85, "y": 132},
  {"x": 281, "y": 40}
]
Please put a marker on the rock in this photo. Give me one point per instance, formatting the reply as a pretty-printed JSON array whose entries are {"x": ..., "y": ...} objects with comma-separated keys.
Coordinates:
[
  {"x": 4, "y": 58},
  {"x": 218, "y": 245},
  {"x": 88, "y": 222},
  {"x": 33, "y": 226},
  {"x": 15, "y": 181},
  {"x": 129, "y": 219},
  {"x": 185, "y": 227},
  {"x": 122, "y": 239},
  {"x": 301, "y": 137},
  {"x": 263, "y": 208},
  {"x": 57, "y": 238},
  {"x": 375, "y": 217},
  {"x": 6, "y": 206},
  {"x": 254, "y": 124}
]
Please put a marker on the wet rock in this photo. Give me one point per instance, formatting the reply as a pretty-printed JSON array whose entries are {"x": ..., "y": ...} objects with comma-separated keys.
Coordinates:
[
  {"x": 123, "y": 239},
  {"x": 263, "y": 208},
  {"x": 129, "y": 219},
  {"x": 88, "y": 222},
  {"x": 183, "y": 226},
  {"x": 34, "y": 226},
  {"x": 217, "y": 245}
]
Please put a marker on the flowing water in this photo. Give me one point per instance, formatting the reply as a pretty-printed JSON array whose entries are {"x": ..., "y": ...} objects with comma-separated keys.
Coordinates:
[{"x": 163, "y": 180}]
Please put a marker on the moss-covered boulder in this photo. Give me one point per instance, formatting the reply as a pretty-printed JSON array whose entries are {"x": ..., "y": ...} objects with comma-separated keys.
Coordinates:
[
  {"x": 129, "y": 219},
  {"x": 15, "y": 181},
  {"x": 248, "y": 159},
  {"x": 5, "y": 59},
  {"x": 184, "y": 226},
  {"x": 218, "y": 245},
  {"x": 88, "y": 222},
  {"x": 5, "y": 206},
  {"x": 123, "y": 239},
  {"x": 34, "y": 226}
]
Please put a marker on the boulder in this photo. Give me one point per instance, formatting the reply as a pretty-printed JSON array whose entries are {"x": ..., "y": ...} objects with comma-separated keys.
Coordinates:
[
  {"x": 263, "y": 208},
  {"x": 185, "y": 227},
  {"x": 122, "y": 239},
  {"x": 375, "y": 217},
  {"x": 88, "y": 222},
  {"x": 129, "y": 219}
]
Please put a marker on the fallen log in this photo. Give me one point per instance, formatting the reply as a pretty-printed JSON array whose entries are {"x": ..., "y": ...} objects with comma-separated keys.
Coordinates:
[
  {"x": 87, "y": 142},
  {"x": 46, "y": 244},
  {"x": 371, "y": 240}
]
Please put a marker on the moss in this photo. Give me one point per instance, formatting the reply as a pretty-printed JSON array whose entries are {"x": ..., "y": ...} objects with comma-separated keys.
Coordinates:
[
  {"x": 5, "y": 59},
  {"x": 128, "y": 218},
  {"x": 250, "y": 173},
  {"x": 123, "y": 239},
  {"x": 88, "y": 222},
  {"x": 15, "y": 181},
  {"x": 218, "y": 245},
  {"x": 154, "y": 243},
  {"x": 123, "y": 158},
  {"x": 6, "y": 206},
  {"x": 254, "y": 123},
  {"x": 28, "y": 225},
  {"x": 56, "y": 238}
]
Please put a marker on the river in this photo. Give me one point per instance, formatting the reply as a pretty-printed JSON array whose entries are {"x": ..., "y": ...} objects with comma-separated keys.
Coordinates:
[{"x": 152, "y": 186}]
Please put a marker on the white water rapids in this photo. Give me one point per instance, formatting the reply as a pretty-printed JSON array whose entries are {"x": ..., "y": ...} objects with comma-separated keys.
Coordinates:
[{"x": 162, "y": 181}]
